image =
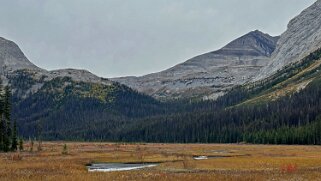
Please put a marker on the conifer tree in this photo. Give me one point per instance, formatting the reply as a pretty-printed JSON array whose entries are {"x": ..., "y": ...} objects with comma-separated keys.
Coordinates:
[
  {"x": 7, "y": 115},
  {"x": 8, "y": 134},
  {"x": 14, "y": 141},
  {"x": 6, "y": 138},
  {"x": 1, "y": 133},
  {"x": 2, "y": 130}
]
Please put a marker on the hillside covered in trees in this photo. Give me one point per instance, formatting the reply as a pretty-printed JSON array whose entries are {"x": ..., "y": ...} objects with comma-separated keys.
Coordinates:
[{"x": 282, "y": 109}]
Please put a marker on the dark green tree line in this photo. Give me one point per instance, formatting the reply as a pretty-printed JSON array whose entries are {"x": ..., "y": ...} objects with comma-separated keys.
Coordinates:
[{"x": 8, "y": 131}]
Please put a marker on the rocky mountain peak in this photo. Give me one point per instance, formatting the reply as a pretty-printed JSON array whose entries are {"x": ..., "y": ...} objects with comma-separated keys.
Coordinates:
[{"x": 254, "y": 43}]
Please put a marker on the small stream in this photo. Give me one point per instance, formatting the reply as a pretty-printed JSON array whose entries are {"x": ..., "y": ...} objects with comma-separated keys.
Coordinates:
[{"x": 110, "y": 167}]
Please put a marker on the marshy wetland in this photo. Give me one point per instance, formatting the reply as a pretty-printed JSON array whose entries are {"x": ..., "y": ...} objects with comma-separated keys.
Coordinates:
[{"x": 162, "y": 162}]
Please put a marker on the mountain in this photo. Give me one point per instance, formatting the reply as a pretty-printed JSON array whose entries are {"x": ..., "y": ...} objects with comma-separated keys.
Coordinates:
[
  {"x": 283, "y": 107},
  {"x": 302, "y": 37},
  {"x": 68, "y": 102},
  {"x": 209, "y": 75},
  {"x": 13, "y": 64}
]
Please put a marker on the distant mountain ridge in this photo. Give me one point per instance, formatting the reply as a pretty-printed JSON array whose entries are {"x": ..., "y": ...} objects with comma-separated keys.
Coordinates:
[
  {"x": 209, "y": 75},
  {"x": 13, "y": 61}
]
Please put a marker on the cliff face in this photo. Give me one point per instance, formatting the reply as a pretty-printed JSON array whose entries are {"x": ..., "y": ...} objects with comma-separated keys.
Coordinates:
[
  {"x": 302, "y": 37},
  {"x": 209, "y": 75}
]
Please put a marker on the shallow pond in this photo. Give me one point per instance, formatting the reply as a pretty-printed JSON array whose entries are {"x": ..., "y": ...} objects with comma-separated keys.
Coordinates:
[
  {"x": 200, "y": 157},
  {"x": 208, "y": 157},
  {"x": 110, "y": 167}
]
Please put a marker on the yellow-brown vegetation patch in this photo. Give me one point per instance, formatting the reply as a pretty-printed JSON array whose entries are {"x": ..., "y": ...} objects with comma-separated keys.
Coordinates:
[{"x": 228, "y": 162}]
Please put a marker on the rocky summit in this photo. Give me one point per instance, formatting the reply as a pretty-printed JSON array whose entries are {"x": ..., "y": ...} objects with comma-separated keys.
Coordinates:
[{"x": 209, "y": 75}]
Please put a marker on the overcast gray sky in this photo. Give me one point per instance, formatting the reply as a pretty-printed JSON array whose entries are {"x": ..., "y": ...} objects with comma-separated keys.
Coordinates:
[{"x": 134, "y": 37}]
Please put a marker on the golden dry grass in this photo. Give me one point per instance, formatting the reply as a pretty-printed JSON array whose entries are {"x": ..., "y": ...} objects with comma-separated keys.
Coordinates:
[{"x": 238, "y": 162}]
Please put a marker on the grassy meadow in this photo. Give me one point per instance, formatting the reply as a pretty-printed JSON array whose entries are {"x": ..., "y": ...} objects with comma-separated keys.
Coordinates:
[{"x": 226, "y": 162}]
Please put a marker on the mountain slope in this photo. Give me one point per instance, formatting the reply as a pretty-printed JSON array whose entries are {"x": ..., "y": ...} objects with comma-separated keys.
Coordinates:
[
  {"x": 282, "y": 109},
  {"x": 68, "y": 103},
  {"x": 282, "y": 105},
  {"x": 302, "y": 37},
  {"x": 63, "y": 108},
  {"x": 12, "y": 58},
  {"x": 209, "y": 75},
  {"x": 291, "y": 79},
  {"x": 13, "y": 64}
]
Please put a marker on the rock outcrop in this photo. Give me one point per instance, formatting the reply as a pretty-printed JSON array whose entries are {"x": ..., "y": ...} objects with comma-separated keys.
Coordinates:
[
  {"x": 302, "y": 37},
  {"x": 12, "y": 58}
]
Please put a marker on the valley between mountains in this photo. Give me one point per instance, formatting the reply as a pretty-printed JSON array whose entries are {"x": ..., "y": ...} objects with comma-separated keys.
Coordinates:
[
  {"x": 256, "y": 89},
  {"x": 250, "y": 110}
]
